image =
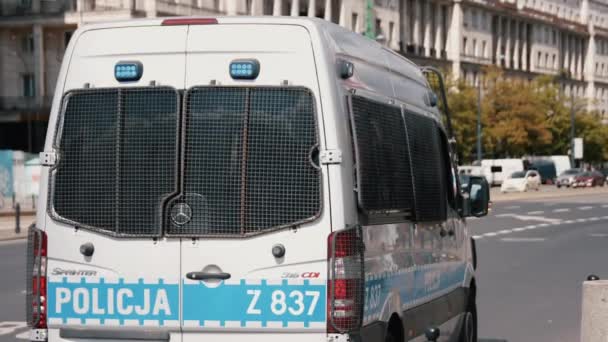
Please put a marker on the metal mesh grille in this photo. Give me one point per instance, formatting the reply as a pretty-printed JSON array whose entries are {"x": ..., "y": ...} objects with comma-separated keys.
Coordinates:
[
  {"x": 247, "y": 161},
  {"x": 429, "y": 175},
  {"x": 282, "y": 184},
  {"x": 383, "y": 161},
  {"x": 118, "y": 158},
  {"x": 215, "y": 120}
]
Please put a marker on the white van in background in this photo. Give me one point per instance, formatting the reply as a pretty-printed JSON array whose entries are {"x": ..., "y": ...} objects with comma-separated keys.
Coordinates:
[
  {"x": 477, "y": 170},
  {"x": 258, "y": 179},
  {"x": 501, "y": 169}
]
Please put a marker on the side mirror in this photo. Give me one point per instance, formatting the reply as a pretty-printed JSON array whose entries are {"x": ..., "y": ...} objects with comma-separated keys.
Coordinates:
[{"x": 476, "y": 193}]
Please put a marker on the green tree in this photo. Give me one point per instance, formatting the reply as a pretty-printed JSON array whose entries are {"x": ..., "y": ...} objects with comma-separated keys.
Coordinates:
[
  {"x": 514, "y": 118},
  {"x": 462, "y": 101}
]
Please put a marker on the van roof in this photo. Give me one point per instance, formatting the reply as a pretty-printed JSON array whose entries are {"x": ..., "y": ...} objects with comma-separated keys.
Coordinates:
[{"x": 343, "y": 41}]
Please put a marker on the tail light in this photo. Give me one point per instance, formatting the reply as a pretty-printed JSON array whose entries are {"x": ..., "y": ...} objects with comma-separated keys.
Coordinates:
[
  {"x": 345, "y": 284},
  {"x": 36, "y": 305}
]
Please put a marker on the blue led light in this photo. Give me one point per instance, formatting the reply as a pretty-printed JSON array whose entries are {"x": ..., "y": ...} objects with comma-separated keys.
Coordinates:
[
  {"x": 245, "y": 69},
  {"x": 128, "y": 71}
]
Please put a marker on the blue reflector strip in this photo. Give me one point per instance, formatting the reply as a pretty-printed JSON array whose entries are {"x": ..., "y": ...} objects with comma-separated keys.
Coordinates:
[
  {"x": 128, "y": 71},
  {"x": 246, "y": 69}
]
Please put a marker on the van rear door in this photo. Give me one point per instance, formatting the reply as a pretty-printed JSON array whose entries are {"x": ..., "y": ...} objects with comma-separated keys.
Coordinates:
[
  {"x": 111, "y": 273},
  {"x": 252, "y": 188}
]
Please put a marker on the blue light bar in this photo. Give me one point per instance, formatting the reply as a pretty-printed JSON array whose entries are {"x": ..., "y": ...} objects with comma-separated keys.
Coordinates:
[
  {"x": 128, "y": 71},
  {"x": 244, "y": 69}
]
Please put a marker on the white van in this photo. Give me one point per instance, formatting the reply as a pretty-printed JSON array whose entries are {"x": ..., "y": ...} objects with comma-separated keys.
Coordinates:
[
  {"x": 247, "y": 178},
  {"x": 501, "y": 169}
]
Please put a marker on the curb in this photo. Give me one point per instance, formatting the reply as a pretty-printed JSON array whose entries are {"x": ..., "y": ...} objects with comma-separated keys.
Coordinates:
[
  {"x": 12, "y": 213},
  {"x": 12, "y": 238}
]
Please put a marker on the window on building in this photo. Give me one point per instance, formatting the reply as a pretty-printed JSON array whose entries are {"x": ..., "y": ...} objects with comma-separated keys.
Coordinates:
[
  {"x": 474, "y": 52},
  {"x": 378, "y": 27},
  {"x": 27, "y": 43},
  {"x": 547, "y": 60},
  {"x": 29, "y": 88},
  {"x": 554, "y": 37},
  {"x": 483, "y": 49},
  {"x": 554, "y": 62},
  {"x": 354, "y": 22},
  {"x": 391, "y": 26},
  {"x": 465, "y": 18},
  {"x": 464, "y": 46},
  {"x": 538, "y": 60},
  {"x": 474, "y": 18}
]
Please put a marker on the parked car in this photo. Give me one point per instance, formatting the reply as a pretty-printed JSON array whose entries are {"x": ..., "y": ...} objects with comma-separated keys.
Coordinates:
[
  {"x": 589, "y": 179},
  {"x": 521, "y": 181},
  {"x": 566, "y": 178}
]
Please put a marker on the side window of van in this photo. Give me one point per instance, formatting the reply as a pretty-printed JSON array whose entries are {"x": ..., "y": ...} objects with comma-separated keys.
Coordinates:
[
  {"x": 428, "y": 164},
  {"x": 382, "y": 156}
]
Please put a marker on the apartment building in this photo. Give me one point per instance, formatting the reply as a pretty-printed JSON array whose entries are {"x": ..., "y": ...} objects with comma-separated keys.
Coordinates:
[{"x": 565, "y": 38}]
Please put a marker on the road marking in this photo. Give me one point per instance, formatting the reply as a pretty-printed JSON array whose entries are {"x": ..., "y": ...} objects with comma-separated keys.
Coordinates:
[
  {"x": 535, "y": 212},
  {"x": 530, "y": 227},
  {"x": 598, "y": 235},
  {"x": 585, "y": 208},
  {"x": 514, "y": 239},
  {"x": 595, "y": 218},
  {"x": 561, "y": 210},
  {"x": 490, "y": 234},
  {"x": 530, "y": 218},
  {"x": 581, "y": 220},
  {"x": 24, "y": 335},
  {"x": 520, "y": 229},
  {"x": 513, "y": 207},
  {"x": 8, "y": 327},
  {"x": 504, "y": 231},
  {"x": 605, "y": 206},
  {"x": 568, "y": 221},
  {"x": 477, "y": 237}
]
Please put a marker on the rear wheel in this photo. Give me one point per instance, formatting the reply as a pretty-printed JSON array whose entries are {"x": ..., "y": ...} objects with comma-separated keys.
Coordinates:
[
  {"x": 468, "y": 332},
  {"x": 389, "y": 336}
]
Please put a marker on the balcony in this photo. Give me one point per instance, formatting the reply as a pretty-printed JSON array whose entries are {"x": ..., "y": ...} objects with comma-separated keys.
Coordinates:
[
  {"x": 25, "y": 104},
  {"x": 56, "y": 7}
]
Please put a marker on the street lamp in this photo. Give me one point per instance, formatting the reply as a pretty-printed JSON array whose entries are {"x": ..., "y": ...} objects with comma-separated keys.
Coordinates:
[
  {"x": 479, "y": 152},
  {"x": 563, "y": 76}
]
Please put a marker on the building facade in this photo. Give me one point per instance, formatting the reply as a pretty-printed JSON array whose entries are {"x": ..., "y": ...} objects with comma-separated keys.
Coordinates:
[{"x": 565, "y": 38}]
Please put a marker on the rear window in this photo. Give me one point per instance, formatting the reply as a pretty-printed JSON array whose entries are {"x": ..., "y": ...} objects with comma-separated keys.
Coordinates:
[
  {"x": 247, "y": 162},
  {"x": 519, "y": 174},
  {"x": 117, "y": 158}
]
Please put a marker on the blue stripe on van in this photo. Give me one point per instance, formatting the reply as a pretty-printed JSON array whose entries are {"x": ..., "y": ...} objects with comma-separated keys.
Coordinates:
[{"x": 413, "y": 285}]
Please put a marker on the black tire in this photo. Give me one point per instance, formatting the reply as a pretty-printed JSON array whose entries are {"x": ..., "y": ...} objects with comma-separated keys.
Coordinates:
[
  {"x": 389, "y": 336},
  {"x": 468, "y": 332}
]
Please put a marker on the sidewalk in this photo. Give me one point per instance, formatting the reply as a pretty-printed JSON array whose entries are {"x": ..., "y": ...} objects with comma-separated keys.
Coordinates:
[
  {"x": 546, "y": 191},
  {"x": 7, "y": 227}
]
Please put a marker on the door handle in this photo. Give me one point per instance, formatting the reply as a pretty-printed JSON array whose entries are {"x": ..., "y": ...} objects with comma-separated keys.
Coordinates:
[{"x": 207, "y": 275}]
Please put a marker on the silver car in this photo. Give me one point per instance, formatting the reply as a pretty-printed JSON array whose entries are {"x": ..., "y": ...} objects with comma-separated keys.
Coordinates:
[{"x": 567, "y": 177}]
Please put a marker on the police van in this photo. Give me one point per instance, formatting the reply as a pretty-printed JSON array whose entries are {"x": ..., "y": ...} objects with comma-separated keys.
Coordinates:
[{"x": 241, "y": 178}]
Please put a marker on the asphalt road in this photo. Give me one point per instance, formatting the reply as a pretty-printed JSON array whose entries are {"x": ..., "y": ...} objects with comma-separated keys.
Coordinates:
[{"x": 533, "y": 257}]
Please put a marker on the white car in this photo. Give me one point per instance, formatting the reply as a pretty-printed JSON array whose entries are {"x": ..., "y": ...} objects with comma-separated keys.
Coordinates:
[{"x": 521, "y": 181}]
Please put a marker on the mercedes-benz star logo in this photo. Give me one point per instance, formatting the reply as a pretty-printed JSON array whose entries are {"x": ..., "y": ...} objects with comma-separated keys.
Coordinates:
[{"x": 181, "y": 213}]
